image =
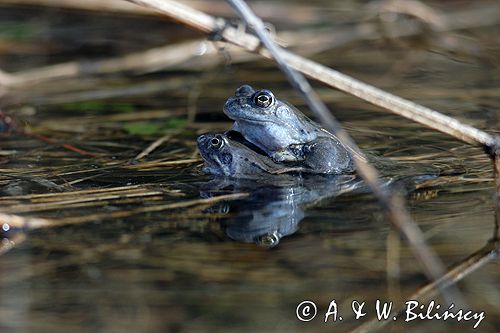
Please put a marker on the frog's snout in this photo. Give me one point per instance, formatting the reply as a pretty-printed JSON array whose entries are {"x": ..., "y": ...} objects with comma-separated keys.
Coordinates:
[{"x": 201, "y": 140}]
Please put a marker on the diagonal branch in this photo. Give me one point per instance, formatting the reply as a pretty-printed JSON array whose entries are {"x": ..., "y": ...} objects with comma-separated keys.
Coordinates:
[{"x": 391, "y": 203}]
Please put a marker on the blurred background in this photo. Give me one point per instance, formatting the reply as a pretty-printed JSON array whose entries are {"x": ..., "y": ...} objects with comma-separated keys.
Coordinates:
[{"x": 86, "y": 87}]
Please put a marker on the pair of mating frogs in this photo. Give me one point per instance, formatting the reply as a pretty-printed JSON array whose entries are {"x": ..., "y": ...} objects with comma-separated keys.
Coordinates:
[{"x": 270, "y": 136}]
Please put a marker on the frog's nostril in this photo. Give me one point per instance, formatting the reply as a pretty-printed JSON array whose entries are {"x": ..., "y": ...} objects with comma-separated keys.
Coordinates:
[
  {"x": 244, "y": 90},
  {"x": 204, "y": 141}
]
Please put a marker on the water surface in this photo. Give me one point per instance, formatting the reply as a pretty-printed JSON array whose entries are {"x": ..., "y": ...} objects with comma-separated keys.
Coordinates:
[{"x": 118, "y": 264}]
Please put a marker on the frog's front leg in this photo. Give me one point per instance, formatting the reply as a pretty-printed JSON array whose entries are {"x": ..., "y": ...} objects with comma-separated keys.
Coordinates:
[{"x": 236, "y": 127}]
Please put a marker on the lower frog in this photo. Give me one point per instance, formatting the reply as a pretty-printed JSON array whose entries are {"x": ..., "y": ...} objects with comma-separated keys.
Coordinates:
[
  {"x": 225, "y": 156},
  {"x": 285, "y": 133}
]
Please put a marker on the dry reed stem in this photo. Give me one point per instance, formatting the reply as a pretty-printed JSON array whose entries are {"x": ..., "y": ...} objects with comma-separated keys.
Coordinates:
[
  {"x": 158, "y": 142},
  {"x": 158, "y": 164},
  {"x": 81, "y": 202},
  {"x": 71, "y": 193},
  {"x": 162, "y": 57},
  {"x": 192, "y": 55}
]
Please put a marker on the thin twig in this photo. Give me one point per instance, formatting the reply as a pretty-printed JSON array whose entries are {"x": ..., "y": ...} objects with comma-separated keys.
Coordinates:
[
  {"x": 158, "y": 142},
  {"x": 160, "y": 164},
  {"x": 395, "y": 104},
  {"x": 81, "y": 202},
  {"x": 79, "y": 193},
  {"x": 392, "y": 204},
  {"x": 159, "y": 57}
]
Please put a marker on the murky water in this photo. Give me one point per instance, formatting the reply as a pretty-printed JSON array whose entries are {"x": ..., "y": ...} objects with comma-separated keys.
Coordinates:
[{"x": 144, "y": 249}]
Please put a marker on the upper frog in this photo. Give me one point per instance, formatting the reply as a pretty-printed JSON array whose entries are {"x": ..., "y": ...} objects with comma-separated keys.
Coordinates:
[
  {"x": 225, "y": 156},
  {"x": 273, "y": 125}
]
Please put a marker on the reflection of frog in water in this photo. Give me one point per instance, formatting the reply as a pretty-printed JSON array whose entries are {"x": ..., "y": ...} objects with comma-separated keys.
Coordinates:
[
  {"x": 277, "y": 194},
  {"x": 275, "y": 205},
  {"x": 284, "y": 133}
]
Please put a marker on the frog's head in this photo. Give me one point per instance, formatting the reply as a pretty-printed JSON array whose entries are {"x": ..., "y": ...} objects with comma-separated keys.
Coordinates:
[
  {"x": 256, "y": 106},
  {"x": 215, "y": 151}
]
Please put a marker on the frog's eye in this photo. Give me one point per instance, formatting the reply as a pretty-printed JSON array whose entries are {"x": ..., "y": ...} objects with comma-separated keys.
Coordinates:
[
  {"x": 263, "y": 98},
  {"x": 217, "y": 143},
  {"x": 268, "y": 240}
]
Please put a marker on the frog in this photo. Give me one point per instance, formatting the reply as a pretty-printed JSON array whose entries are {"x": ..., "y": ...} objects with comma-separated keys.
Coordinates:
[
  {"x": 284, "y": 133},
  {"x": 228, "y": 154}
]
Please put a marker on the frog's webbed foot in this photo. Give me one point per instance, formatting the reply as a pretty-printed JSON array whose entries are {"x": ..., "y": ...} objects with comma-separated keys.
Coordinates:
[
  {"x": 292, "y": 153},
  {"x": 283, "y": 156}
]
